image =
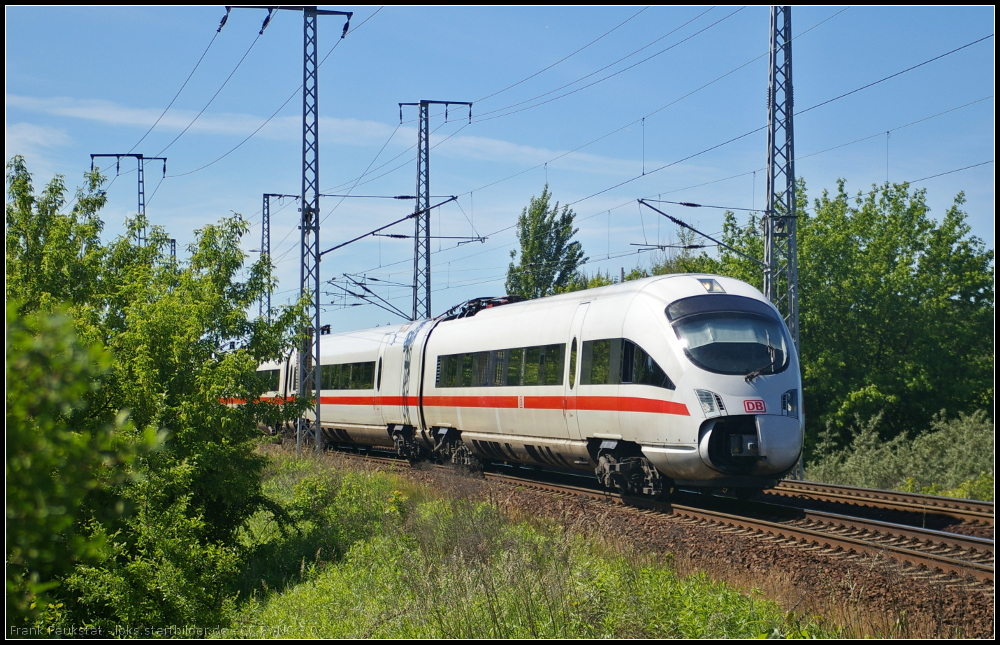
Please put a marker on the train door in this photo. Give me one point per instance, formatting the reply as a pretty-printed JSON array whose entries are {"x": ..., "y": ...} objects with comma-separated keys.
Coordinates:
[
  {"x": 381, "y": 384},
  {"x": 401, "y": 359},
  {"x": 571, "y": 385}
]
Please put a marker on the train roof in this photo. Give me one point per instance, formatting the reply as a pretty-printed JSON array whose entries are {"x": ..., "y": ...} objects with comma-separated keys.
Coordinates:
[{"x": 667, "y": 287}]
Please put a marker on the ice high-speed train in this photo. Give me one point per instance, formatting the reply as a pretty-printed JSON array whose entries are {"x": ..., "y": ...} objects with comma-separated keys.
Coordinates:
[{"x": 678, "y": 380}]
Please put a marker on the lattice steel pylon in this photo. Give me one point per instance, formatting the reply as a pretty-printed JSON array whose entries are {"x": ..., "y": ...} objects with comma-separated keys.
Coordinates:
[
  {"x": 265, "y": 245},
  {"x": 781, "y": 275},
  {"x": 422, "y": 223},
  {"x": 308, "y": 364},
  {"x": 265, "y": 250},
  {"x": 141, "y": 159}
]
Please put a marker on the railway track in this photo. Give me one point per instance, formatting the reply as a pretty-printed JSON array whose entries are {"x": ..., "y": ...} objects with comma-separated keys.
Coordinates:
[
  {"x": 958, "y": 555},
  {"x": 965, "y": 510},
  {"x": 951, "y": 554}
]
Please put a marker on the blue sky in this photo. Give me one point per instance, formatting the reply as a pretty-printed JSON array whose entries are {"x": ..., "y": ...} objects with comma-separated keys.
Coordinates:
[{"x": 88, "y": 80}]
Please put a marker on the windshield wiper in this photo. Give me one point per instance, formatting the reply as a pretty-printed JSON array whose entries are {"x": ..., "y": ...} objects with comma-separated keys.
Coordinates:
[{"x": 770, "y": 352}]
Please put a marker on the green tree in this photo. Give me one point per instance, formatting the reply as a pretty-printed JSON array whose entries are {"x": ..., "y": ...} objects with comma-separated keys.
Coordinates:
[
  {"x": 53, "y": 461},
  {"x": 181, "y": 344},
  {"x": 683, "y": 259},
  {"x": 549, "y": 259},
  {"x": 896, "y": 309}
]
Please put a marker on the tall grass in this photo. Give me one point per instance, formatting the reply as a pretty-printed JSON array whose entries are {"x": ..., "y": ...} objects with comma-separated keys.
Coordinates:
[
  {"x": 398, "y": 561},
  {"x": 954, "y": 458}
]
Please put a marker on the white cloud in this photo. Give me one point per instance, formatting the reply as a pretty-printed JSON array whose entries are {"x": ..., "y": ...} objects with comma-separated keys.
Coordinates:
[
  {"x": 355, "y": 132},
  {"x": 344, "y": 131},
  {"x": 31, "y": 141},
  {"x": 22, "y": 136}
]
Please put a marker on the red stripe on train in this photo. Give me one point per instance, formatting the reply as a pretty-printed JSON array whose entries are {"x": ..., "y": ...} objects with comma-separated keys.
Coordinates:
[{"x": 605, "y": 403}]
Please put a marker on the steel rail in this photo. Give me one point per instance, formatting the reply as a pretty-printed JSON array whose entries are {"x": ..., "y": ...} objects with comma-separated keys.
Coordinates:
[
  {"x": 824, "y": 537},
  {"x": 945, "y": 563},
  {"x": 977, "y": 548},
  {"x": 962, "y": 509}
]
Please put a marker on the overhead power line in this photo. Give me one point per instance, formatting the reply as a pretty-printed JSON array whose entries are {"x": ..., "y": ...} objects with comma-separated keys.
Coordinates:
[
  {"x": 183, "y": 85},
  {"x": 486, "y": 115},
  {"x": 280, "y": 108},
  {"x": 221, "y": 87},
  {"x": 755, "y": 130},
  {"x": 654, "y": 112},
  {"x": 564, "y": 58},
  {"x": 604, "y": 136}
]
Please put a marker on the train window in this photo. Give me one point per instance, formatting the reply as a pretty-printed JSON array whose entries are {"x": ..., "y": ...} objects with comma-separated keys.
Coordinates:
[
  {"x": 466, "y": 368},
  {"x": 515, "y": 365},
  {"x": 378, "y": 375},
  {"x": 596, "y": 368},
  {"x": 618, "y": 360},
  {"x": 552, "y": 365},
  {"x": 532, "y": 359},
  {"x": 481, "y": 371},
  {"x": 641, "y": 367},
  {"x": 363, "y": 376},
  {"x": 348, "y": 376},
  {"x": 344, "y": 377},
  {"x": 499, "y": 366},
  {"x": 540, "y": 365},
  {"x": 270, "y": 379},
  {"x": 329, "y": 376},
  {"x": 446, "y": 370},
  {"x": 734, "y": 342}
]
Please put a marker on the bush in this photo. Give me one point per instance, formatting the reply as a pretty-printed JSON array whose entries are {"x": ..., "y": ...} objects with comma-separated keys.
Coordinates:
[{"x": 954, "y": 458}]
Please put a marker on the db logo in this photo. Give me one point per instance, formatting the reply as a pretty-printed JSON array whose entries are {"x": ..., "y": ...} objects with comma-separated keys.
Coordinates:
[{"x": 754, "y": 405}]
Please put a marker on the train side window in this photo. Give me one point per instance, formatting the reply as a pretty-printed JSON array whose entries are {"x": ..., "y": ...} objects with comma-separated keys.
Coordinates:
[
  {"x": 532, "y": 359},
  {"x": 363, "y": 375},
  {"x": 596, "y": 360},
  {"x": 378, "y": 375},
  {"x": 572, "y": 364},
  {"x": 628, "y": 360},
  {"x": 639, "y": 367},
  {"x": 499, "y": 369},
  {"x": 553, "y": 364},
  {"x": 448, "y": 364},
  {"x": 515, "y": 366},
  {"x": 269, "y": 380},
  {"x": 481, "y": 369},
  {"x": 466, "y": 370},
  {"x": 328, "y": 375}
]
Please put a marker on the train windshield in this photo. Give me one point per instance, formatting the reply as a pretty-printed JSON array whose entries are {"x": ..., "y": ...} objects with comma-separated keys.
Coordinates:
[{"x": 734, "y": 342}]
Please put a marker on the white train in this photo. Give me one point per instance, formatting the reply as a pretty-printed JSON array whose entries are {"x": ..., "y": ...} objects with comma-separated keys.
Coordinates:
[{"x": 678, "y": 380}]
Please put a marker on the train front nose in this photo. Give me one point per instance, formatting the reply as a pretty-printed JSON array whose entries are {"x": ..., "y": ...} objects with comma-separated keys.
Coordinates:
[{"x": 762, "y": 445}]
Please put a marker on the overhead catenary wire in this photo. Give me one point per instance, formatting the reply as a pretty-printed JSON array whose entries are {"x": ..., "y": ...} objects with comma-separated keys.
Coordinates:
[
  {"x": 275, "y": 113},
  {"x": 797, "y": 114},
  {"x": 218, "y": 91},
  {"x": 489, "y": 116},
  {"x": 564, "y": 58},
  {"x": 604, "y": 136},
  {"x": 825, "y": 150},
  {"x": 654, "y": 112},
  {"x": 184, "y": 84},
  {"x": 627, "y": 203}
]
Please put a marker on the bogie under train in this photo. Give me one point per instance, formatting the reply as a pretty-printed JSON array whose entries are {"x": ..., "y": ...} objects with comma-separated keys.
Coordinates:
[{"x": 679, "y": 380}]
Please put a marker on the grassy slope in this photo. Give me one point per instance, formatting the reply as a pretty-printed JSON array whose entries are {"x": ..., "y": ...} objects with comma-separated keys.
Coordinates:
[{"x": 376, "y": 555}]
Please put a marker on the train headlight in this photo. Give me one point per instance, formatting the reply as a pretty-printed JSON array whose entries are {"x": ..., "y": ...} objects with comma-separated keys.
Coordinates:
[
  {"x": 711, "y": 403},
  {"x": 790, "y": 404}
]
